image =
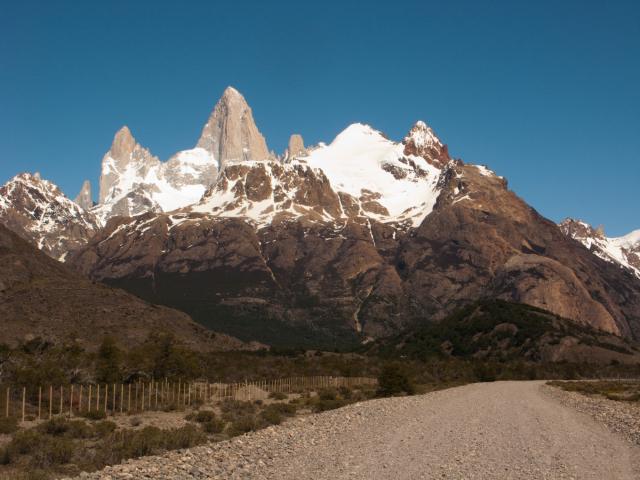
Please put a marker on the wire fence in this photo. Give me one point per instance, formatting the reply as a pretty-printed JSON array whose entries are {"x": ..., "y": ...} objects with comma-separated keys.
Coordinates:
[{"x": 45, "y": 402}]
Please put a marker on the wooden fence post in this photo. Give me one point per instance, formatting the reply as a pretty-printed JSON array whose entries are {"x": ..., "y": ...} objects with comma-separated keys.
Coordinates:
[
  {"x": 129, "y": 400},
  {"x": 24, "y": 400},
  {"x": 113, "y": 400},
  {"x": 71, "y": 402},
  {"x": 39, "y": 401},
  {"x": 121, "y": 397},
  {"x": 50, "y": 401},
  {"x": 106, "y": 397},
  {"x": 61, "y": 398},
  {"x": 142, "y": 402},
  {"x": 8, "y": 400},
  {"x": 89, "y": 398}
]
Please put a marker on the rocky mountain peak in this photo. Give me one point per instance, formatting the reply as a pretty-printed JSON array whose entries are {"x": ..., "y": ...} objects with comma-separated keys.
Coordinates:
[
  {"x": 125, "y": 157},
  {"x": 624, "y": 251},
  {"x": 230, "y": 134},
  {"x": 577, "y": 229},
  {"x": 123, "y": 143},
  {"x": 39, "y": 212},
  {"x": 423, "y": 142},
  {"x": 84, "y": 198},
  {"x": 295, "y": 147}
]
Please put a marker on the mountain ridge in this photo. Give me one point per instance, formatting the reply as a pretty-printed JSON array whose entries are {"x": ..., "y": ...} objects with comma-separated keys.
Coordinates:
[{"x": 345, "y": 241}]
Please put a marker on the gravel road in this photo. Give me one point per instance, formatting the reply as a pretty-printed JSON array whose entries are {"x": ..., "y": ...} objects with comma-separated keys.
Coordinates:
[{"x": 501, "y": 430}]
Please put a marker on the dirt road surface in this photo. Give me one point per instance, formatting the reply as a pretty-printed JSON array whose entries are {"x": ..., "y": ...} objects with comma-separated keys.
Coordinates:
[{"x": 500, "y": 430}]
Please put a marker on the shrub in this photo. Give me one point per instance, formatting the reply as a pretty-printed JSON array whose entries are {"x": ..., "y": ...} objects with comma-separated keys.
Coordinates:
[
  {"x": 135, "y": 421},
  {"x": 214, "y": 426},
  {"x": 56, "y": 426},
  {"x": 79, "y": 429},
  {"x": 271, "y": 416},
  {"x": 345, "y": 392},
  {"x": 286, "y": 409},
  {"x": 8, "y": 425},
  {"x": 484, "y": 372},
  {"x": 328, "y": 404},
  {"x": 234, "y": 409},
  {"x": 243, "y": 424},
  {"x": 104, "y": 428},
  {"x": 94, "y": 415},
  {"x": 24, "y": 441},
  {"x": 5, "y": 456},
  {"x": 125, "y": 444},
  {"x": 393, "y": 381},
  {"x": 328, "y": 394},
  {"x": 52, "y": 451},
  {"x": 277, "y": 395},
  {"x": 202, "y": 416}
]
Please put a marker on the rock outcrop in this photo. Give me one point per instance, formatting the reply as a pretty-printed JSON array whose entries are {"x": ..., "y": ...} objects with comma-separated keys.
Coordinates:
[
  {"x": 84, "y": 198},
  {"x": 295, "y": 147},
  {"x": 230, "y": 134},
  {"x": 421, "y": 141}
]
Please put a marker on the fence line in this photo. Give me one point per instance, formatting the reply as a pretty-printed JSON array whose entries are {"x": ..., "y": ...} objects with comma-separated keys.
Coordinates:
[{"x": 31, "y": 403}]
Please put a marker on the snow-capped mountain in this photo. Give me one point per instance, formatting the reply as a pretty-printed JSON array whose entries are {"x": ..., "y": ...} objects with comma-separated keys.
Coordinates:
[
  {"x": 346, "y": 241},
  {"x": 360, "y": 174},
  {"x": 38, "y": 211},
  {"x": 134, "y": 181},
  {"x": 623, "y": 250}
]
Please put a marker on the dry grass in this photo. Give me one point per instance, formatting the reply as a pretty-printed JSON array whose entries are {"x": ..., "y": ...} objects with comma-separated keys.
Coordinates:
[{"x": 619, "y": 390}]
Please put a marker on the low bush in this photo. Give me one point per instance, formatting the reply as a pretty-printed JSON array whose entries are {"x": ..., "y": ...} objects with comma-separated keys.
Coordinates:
[
  {"x": 271, "y": 416},
  {"x": 242, "y": 424},
  {"x": 394, "y": 381},
  {"x": 94, "y": 415},
  {"x": 214, "y": 426},
  {"x": 24, "y": 441},
  {"x": 56, "y": 426},
  {"x": 8, "y": 425},
  {"x": 277, "y": 395},
  {"x": 104, "y": 428},
  {"x": 79, "y": 429},
  {"x": 52, "y": 451},
  {"x": 234, "y": 409},
  {"x": 126, "y": 444},
  {"x": 201, "y": 416},
  {"x": 328, "y": 404},
  {"x": 345, "y": 392},
  {"x": 328, "y": 394}
]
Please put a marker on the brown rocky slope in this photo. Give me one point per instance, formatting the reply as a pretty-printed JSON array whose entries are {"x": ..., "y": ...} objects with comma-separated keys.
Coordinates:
[
  {"x": 314, "y": 279},
  {"x": 41, "y": 297}
]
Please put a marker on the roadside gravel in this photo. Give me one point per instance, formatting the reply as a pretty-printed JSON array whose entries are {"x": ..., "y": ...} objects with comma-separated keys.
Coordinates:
[
  {"x": 621, "y": 417},
  {"x": 501, "y": 430}
]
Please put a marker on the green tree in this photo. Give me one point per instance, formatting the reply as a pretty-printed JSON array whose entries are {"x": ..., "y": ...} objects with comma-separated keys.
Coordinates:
[
  {"x": 393, "y": 381},
  {"x": 108, "y": 363}
]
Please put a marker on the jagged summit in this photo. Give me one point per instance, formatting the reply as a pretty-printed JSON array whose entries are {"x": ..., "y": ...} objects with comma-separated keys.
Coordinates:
[
  {"x": 230, "y": 134},
  {"x": 38, "y": 211},
  {"x": 624, "y": 251},
  {"x": 84, "y": 198},
  {"x": 423, "y": 142},
  {"x": 295, "y": 147}
]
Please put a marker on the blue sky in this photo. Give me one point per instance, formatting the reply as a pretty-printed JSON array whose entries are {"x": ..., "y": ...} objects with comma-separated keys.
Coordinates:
[{"x": 545, "y": 93}]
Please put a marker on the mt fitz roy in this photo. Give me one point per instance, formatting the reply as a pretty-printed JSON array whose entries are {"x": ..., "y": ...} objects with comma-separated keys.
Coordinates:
[{"x": 325, "y": 245}]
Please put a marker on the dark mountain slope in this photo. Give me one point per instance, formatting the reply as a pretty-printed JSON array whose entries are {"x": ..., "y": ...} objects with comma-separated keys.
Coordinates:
[{"x": 40, "y": 297}]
